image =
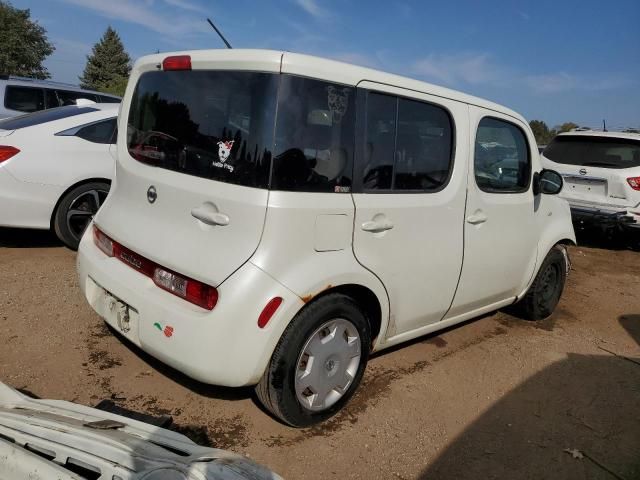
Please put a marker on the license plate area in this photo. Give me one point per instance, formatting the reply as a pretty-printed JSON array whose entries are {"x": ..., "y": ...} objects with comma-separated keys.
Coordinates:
[
  {"x": 117, "y": 313},
  {"x": 586, "y": 187}
]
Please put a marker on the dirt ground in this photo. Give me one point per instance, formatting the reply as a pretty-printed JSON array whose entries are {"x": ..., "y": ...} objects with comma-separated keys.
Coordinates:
[{"x": 496, "y": 397}]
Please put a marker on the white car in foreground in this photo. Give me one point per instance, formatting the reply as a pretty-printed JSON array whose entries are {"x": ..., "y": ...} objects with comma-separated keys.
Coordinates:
[
  {"x": 54, "y": 439},
  {"x": 56, "y": 167},
  {"x": 278, "y": 217},
  {"x": 601, "y": 173}
]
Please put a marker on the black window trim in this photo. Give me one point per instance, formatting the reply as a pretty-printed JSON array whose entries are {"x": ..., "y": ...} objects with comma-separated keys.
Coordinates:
[
  {"x": 362, "y": 95},
  {"x": 529, "y": 158},
  {"x": 70, "y": 132}
]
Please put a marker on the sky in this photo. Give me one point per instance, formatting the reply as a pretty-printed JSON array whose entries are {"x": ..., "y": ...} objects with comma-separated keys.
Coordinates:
[{"x": 555, "y": 61}]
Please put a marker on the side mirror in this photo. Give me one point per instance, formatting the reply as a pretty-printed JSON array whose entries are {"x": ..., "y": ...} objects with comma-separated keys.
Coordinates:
[{"x": 548, "y": 182}]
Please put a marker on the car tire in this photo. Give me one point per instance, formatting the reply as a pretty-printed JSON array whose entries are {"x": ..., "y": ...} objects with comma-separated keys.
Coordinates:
[
  {"x": 318, "y": 348},
  {"x": 76, "y": 210},
  {"x": 544, "y": 294}
]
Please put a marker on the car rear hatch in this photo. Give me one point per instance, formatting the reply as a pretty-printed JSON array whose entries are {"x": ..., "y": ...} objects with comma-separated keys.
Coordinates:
[
  {"x": 194, "y": 155},
  {"x": 596, "y": 169}
]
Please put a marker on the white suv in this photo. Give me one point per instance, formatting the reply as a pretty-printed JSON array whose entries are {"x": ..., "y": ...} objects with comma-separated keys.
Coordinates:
[
  {"x": 602, "y": 177},
  {"x": 276, "y": 218}
]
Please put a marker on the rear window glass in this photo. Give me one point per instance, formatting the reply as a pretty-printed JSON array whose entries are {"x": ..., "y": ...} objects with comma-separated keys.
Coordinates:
[
  {"x": 43, "y": 116},
  {"x": 23, "y": 99},
  {"x": 211, "y": 124},
  {"x": 67, "y": 97},
  {"x": 314, "y": 136},
  {"x": 590, "y": 151}
]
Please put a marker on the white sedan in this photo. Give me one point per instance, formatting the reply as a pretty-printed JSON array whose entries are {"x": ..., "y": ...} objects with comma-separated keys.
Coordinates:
[{"x": 56, "y": 168}]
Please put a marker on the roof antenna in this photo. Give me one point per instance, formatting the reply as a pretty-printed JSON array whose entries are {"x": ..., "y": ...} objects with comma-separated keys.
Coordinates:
[
  {"x": 219, "y": 33},
  {"x": 604, "y": 125}
]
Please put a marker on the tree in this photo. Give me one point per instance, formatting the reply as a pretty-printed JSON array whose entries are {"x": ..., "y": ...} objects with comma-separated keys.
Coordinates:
[
  {"x": 567, "y": 127},
  {"x": 23, "y": 43},
  {"x": 541, "y": 132},
  {"x": 108, "y": 66}
]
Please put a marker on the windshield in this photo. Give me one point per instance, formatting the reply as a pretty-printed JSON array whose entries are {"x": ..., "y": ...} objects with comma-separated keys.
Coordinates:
[
  {"x": 588, "y": 151},
  {"x": 43, "y": 116}
]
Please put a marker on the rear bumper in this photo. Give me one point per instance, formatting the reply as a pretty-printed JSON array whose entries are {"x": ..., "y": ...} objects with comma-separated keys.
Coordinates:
[
  {"x": 30, "y": 204},
  {"x": 222, "y": 347},
  {"x": 604, "y": 218}
]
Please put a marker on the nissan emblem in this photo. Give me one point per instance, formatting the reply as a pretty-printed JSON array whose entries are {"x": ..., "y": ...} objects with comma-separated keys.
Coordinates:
[{"x": 152, "y": 195}]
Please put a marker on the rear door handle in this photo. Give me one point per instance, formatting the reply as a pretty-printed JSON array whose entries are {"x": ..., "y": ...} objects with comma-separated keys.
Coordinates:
[
  {"x": 210, "y": 217},
  {"x": 477, "y": 218},
  {"x": 377, "y": 226}
]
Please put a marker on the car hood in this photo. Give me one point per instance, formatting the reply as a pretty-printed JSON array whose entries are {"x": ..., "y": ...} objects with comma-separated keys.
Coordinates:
[{"x": 58, "y": 439}]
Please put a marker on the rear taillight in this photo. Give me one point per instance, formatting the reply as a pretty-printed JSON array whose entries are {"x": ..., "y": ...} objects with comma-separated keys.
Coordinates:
[
  {"x": 177, "y": 62},
  {"x": 634, "y": 182},
  {"x": 7, "y": 151},
  {"x": 191, "y": 290},
  {"x": 103, "y": 242}
]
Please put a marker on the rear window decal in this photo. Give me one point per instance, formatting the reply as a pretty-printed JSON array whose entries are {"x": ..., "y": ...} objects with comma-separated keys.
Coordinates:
[{"x": 224, "y": 150}]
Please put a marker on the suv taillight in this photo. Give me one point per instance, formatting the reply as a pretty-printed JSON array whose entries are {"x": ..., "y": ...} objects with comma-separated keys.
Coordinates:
[
  {"x": 191, "y": 290},
  {"x": 7, "y": 151},
  {"x": 634, "y": 182}
]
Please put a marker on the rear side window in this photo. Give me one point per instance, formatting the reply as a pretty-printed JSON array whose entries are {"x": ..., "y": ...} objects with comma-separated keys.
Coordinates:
[
  {"x": 23, "y": 99},
  {"x": 99, "y": 132},
  {"x": 408, "y": 145},
  {"x": 105, "y": 99},
  {"x": 211, "y": 124},
  {"x": 67, "y": 97},
  {"x": 314, "y": 136},
  {"x": 588, "y": 151},
  {"x": 502, "y": 162},
  {"x": 44, "y": 116}
]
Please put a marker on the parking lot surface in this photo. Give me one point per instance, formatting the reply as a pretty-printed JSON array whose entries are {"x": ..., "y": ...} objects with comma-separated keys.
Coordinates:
[{"x": 496, "y": 397}]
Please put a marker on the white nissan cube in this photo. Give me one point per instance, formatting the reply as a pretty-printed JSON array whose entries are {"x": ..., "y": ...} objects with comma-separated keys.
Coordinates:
[{"x": 276, "y": 218}]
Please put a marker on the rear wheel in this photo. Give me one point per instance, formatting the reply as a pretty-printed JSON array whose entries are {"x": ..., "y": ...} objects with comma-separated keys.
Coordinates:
[
  {"x": 318, "y": 362},
  {"x": 544, "y": 294},
  {"x": 76, "y": 210}
]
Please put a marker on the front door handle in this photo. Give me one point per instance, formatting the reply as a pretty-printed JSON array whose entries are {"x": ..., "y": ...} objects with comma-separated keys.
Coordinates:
[
  {"x": 377, "y": 226},
  {"x": 210, "y": 217},
  {"x": 477, "y": 218}
]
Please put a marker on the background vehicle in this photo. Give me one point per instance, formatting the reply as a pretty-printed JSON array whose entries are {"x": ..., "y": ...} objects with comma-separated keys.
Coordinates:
[
  {"x": 56, "y": 168},
  {"x": 25, "y": 95},
  {"x": 66, "y": 441},
  {"x": 296, "y": 217},
  {"x": 601, "y": 171}
]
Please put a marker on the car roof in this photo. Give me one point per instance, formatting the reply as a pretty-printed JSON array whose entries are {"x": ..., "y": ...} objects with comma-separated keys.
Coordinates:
[
  {"x": 595, "y": 133},
  {"x": 33, "y": 82},
  {"x": 314, "y": 67}
]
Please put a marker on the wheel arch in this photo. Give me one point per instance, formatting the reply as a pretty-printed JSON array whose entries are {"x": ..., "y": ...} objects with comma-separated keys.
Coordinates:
[
  {"x": 64, "y": 194},
  {"x": 364, "y": 297}
]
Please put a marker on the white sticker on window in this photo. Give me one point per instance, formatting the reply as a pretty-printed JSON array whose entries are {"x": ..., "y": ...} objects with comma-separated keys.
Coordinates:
[{"x": 224, "y": 150}]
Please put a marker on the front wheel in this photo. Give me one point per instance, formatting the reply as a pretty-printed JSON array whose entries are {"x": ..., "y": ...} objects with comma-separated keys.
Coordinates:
[
  {"x": 544, "y": 294},
  {"x": 318, "y": 362},
  {"x": 76, "y": 210}
]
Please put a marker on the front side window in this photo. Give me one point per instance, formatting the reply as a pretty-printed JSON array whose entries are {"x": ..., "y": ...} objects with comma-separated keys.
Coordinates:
[
  {"x": 23, "y": 99},
  {"x": 211, "y": 124},
  {"x": 99, "y": 132},
  {"x": 502, "y": 162},
  {"x": 593, "y": 151},
  {"x": 408, "y": 145},
  {"x": 314, "y": 136}
]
